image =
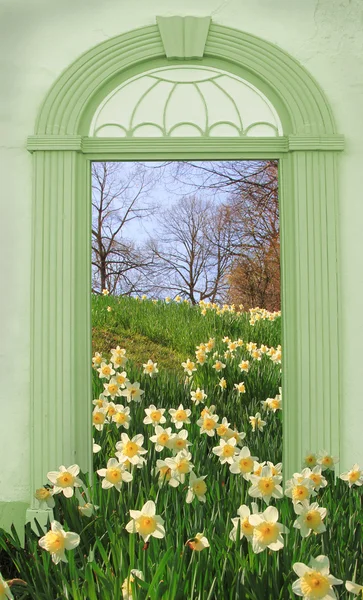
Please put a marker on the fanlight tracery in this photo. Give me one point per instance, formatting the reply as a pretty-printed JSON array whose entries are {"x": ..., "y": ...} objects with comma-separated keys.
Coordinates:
[{"x": 186, "y": 101}]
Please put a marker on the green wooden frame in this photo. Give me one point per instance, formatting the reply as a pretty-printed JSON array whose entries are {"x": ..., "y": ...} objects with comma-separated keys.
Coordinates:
[{"x": 61, "y": 264}]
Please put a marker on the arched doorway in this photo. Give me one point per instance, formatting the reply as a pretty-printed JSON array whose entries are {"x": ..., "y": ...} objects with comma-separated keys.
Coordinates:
[{"x": 304, "y": 140}]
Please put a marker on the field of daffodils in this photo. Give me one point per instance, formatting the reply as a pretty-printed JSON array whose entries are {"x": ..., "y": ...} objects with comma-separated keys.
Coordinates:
[{"x": 187, "y": 499}]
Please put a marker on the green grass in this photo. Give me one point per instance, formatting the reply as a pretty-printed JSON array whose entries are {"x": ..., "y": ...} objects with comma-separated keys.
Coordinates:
[{"x": 227, "y": 570}]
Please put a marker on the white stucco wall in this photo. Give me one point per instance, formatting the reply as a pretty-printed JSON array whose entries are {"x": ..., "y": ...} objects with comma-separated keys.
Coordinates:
[{"x": 39, "y": 39}]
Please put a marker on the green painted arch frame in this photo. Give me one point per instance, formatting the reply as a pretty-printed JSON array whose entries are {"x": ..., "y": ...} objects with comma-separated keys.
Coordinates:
[
  {"x": 61, "y": 273},
  {"x": 64, "y": 106}
]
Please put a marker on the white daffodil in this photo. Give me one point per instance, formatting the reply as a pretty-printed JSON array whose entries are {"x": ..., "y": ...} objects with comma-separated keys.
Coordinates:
[
  {"x": 267, "y": 531},
  {"x": 179, "y": 416},
  {"x": 198, "y": 543},
  {"x": 272, "y": 404},
  {"x": 225, "y": 451},
  {"x": 99, "y": 417},
  {"x": 276, "y": 469},
  {"x": 97, "y": 359},
  {"x": 65, "y": 480},
  {"x": 87, "y": 509},
  {"x": 354, "y": 476},
  {"x": 244, "y": 366},
  {"x": 243, "y": 463},
  {"x": 266, "y": 485},
  {"x": 165, "y": 475},
  {"x": 132, "y": 391},
  {"x": 208, "y": 410},
  {"x": 189, "y": 367},
  {"x": 310, "y": 519},
  {"x": 257, "y": 422},
  {"x": 146, "y": 523},
  {"x": 127, "y": 584},
  {"x": 240, "y": 387},
  {"x": 105, "y": 371},
  {"x": 222, "y": 383},
  {"x": 246, "y": 529},
  {"x": 210, "y": 345},
  {"x": 315, "y": 581},
  {"x": 198, "y": 396},
  {"x": 179, "y": 441},
  {"x": 197, "y": 488},
  {"x": 130, "y": 449},
  {"x": 257, "y": 467},
  {"x": 326, "y": 460},
  {"x": 111, "y": 410},
  {"x": 119, "y": 358},
  {"x": 299, "y": 489},
  {"x": 180, "y": 465},
  {"x": 275, "y": 403},
  {"x": 222, "y": 427},
  {"x": 154, "y": 416},
  {"x": 162, "y": 438},
  {"x": 114, "y": 475},
  {"x": 150, "y": 368},
  {"x": 354, "y": 588},
  {"x": 5, "y": 591},
  {"x": 101, "y": 401},
  {"x": 56, "y": 541},
  {"x": 121, "y": 379},
  {"x": 266, "y": 404},
  {"x": 315, "y": 475},
  {"x": 122, "y": 416},
  {"x": 218, "y": 366},
  {"x": 310, "y": 459},
  {"x": 96, "y": 447},
  {"x": 208, "y": 424},
  {"x": 112, "y": 388},
  {"x": 239, "y": 436},
  {"x": 45, "y": 499},
  {"x": 201, "y": 357}
]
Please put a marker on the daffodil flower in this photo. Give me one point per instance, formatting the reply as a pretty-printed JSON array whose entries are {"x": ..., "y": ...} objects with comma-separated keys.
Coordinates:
[
  {"x": 354, "y": 588},
  {"x": 179, "y": 416},
  {"x": 197, "y": 488},
  {"x": 265, "y": 486},
  {"x": 150, "y": 368},
  {"x": 310, "y": 518},
  {"x": 315, "y": 581},
  {"x": 114, "y": 475},
  {"x": 246, "y": 529},
  {"x": 5, "y": 590},
  {"x": 225, "y": 451},
  {"x": 198, "y": 543},
  {"x": 243, "y": 463},
  {"x": 56, "y": 541},
  {"x": 130, "y": 449},
  {"x": 267, "y": 531},
  {"x": 354, "y": 476},
  {"x": 146, "y": 523},
  {"x": 154, "y": 416},
  {"x": 65, "y": 480}
]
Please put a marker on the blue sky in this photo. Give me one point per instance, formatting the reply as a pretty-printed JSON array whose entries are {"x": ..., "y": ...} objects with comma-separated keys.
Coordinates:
[{"x": 165, "y": 192}]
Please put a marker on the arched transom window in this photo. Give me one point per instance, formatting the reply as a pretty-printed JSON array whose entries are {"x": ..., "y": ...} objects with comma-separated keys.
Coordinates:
[{"x": 184, "y": 101}]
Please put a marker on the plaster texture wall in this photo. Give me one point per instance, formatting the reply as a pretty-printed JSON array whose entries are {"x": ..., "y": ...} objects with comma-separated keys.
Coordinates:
[{"x": 39, "y": 39}]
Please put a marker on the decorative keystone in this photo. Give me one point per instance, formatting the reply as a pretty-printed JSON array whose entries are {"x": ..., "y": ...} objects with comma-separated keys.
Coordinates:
[{"x": 184, "y": 37}]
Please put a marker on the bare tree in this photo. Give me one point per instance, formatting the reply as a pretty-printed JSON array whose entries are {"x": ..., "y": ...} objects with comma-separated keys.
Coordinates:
[
  {"x": 190, "y": 249},
  {"x": 120, "y": 194},
  {"x": 251, "y": 193}
]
